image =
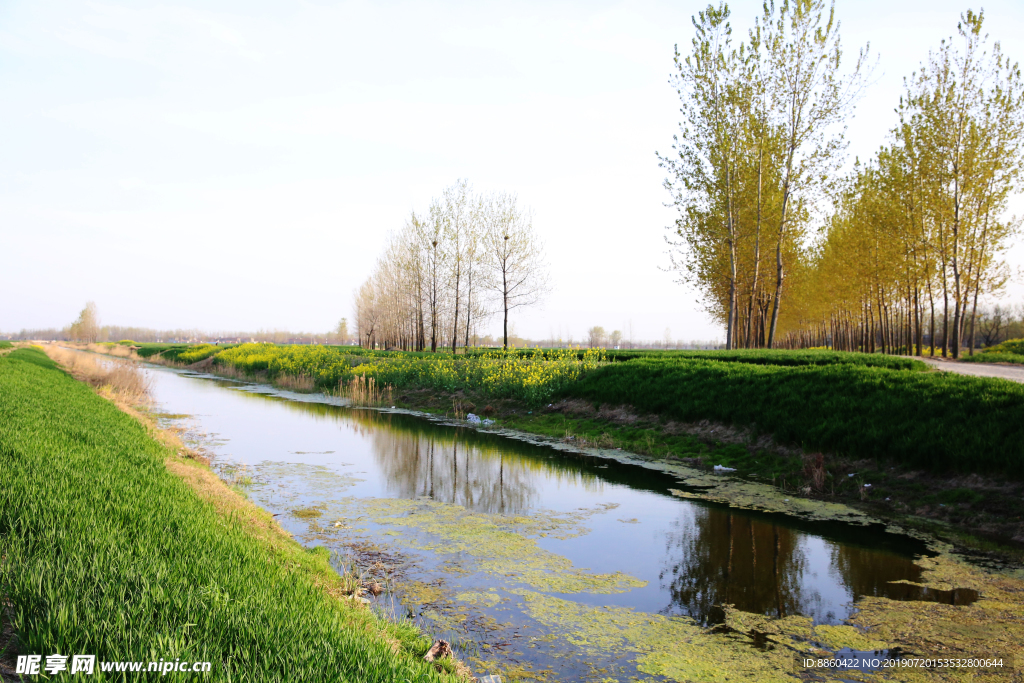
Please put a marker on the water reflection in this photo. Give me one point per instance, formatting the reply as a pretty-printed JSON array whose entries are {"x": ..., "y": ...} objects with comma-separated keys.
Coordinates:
[
  {"x": 695, "y": 556},
  {"x": 464, "y": 467},
  {"x": 720, "y": 557},
  {"x": 445, "y": 470},
  {"x": 451, "y": 464},
  {"x": 868, "y": 572}
]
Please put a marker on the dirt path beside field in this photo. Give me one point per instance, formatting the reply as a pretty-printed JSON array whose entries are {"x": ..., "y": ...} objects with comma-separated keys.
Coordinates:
[{"x": 1014, "y": 373}]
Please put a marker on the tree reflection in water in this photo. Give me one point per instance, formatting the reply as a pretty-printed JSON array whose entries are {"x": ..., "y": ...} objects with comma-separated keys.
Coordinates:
[
  {"x": 462, "y": 467},
  {"x": 868, "y": 572},
  {"x": 721, "y": 557},
  {"x": 716, "y": 558},
  {"x": 451, "y": 472},
  {"x": 478, "y": 471}
]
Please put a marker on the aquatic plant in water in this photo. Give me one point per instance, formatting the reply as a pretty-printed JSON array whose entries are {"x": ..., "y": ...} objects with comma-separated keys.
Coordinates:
[{"x": 496, "y": 544}]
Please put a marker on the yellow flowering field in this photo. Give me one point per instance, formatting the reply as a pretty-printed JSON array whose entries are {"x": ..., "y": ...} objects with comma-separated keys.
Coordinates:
[{"x": 531, "y": 375}]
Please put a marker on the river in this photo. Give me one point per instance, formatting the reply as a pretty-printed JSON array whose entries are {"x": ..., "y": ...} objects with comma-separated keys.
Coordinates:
[{"x": 532, "y": 562}]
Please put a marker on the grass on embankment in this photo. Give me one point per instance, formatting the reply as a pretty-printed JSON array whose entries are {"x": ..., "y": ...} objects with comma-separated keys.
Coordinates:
[
  {"x": 105, "y": 551},
  {"x": 1011, "y": 351},
  {"x": 777, "y": 357},
  {"x": 934, "y": 421}
]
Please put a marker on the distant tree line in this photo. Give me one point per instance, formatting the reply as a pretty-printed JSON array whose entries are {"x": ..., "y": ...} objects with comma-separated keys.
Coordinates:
[
  {"x": 912, "y": 239},
  {"x": 87, "y": 328}
]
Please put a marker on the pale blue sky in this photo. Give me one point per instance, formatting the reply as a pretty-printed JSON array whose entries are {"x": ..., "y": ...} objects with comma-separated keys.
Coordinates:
[{"x": 236, "y": 165}]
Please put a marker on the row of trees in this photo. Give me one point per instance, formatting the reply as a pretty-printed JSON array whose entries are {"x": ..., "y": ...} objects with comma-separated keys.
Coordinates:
[
  {"x": 912, "y": 239},
  {"x": 919, "y": 234},
  {"x": 448, "y": 270},
  {"x": 88, "y": 328}
]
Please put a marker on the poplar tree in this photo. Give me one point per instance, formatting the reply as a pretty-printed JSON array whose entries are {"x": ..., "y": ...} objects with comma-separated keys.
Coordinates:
[
  {"x": 702, "y": 172},
  {"x": 513, "y": 258},
  {"x": 810, "y": 98},
  {"x": 87, "y": 326}
]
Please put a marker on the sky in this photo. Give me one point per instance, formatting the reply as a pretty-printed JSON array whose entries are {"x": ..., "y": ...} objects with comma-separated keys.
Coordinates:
[{"x": 238, "y": 164}]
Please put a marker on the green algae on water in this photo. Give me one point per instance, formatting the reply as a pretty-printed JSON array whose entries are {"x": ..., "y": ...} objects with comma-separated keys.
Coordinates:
[
  {"x": 497, "y": 544},
  {"x": 502, "y": 546},
  {"x": 419, "y": 593},
  {"x": 674, "y": 647},
  {"x": 754, "y": 496},
  {"x": 486, "y": 598},
  {"x": 757, "y": 647},
  {"x": 748, "y": 647},
  {"x": 308, "y": 512},
  {"x": 324, "y": 479}
]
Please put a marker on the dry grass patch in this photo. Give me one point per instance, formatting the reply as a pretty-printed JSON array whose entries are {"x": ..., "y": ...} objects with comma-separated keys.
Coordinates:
[
  {"x": 229, "y": 371},
  {"x": 294, "y": 382},
  {"x": 624, "y": 415},
  {"x": 366, "y": 391},
  {"x": 121, "y": 379},
  {"x": 117, "y": 351}
]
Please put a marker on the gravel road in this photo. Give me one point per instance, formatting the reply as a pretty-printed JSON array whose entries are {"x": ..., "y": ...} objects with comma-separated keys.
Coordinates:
[{"x": 1014, "y": 373}]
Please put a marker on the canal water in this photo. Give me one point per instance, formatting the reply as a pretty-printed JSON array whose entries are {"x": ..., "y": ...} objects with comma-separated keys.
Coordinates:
[{"x": 532, "y": 562}]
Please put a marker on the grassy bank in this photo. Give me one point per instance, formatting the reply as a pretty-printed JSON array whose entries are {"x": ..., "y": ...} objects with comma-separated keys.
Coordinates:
[
  {"x": 934, "y": 421},
  {"x": 114, "y": 545},
  {"x": 770, "y": 357},
  {"x": 1011, "y": 351}
]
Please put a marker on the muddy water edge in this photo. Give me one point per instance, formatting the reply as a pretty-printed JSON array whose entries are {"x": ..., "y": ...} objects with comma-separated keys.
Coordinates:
[{"x": 540, "y": 563}]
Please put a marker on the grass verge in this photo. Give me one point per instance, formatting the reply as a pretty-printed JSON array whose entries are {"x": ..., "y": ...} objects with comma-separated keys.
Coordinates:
[
  {"x": 777, "y": 357},
  {"x": 113, "y": 544},
  {"x": 940, "y": 422},
  {"x": 1010, "y": 351}
]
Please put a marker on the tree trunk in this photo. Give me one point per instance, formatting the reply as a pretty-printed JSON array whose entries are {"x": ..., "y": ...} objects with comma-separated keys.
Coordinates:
[
  {"x": 957, "y": 309},
  {"x": 504, "y": 301},
  {"x": 778, "y": 249},
  {"x": 469, "y": 305},
  {"x": 433, "y": 303},
  {"x": 977, "y": 283},
  {"x": 757, "y": 249},
  {"x": 778, "y": 294},
  {"x": 455, "y": 322}
]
